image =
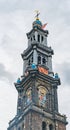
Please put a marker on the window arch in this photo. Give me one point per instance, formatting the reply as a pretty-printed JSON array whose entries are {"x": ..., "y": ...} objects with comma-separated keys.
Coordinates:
[
  {"x": 32, "y": 58},
  {"x": 39, "y": 59},
  {"x": 29, "y": 62},
  {"x": 43, "y": 125},
  {"x": 44, "y": 60},
  {"x": 31, "y": 38},
  {"x": 38, "y": 38},
  {"x": 50, "y": 127},
  {"x": 34, "y": 37},
  {"x": 42, "y": 38}
]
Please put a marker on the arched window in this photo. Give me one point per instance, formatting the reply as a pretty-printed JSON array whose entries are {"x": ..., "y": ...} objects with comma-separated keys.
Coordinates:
[
  {"x": 32, "y": 59},
  {"x": 50, "y": 127},
  {"x": 42, "y": 38},
  {"x": 34, "y": 37},
  {"x": 44, "y": 60},
  {"x": 43, "y": 125},
  {"x": 39, "y": 59},
  {"x": 38, "y": 38},
  {"x": 29, "y": 62},
  {"x": 31, "y": 38}
]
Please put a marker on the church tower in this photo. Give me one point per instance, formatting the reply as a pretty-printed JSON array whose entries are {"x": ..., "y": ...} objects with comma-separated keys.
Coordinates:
[{"x": 37, "y": 106}]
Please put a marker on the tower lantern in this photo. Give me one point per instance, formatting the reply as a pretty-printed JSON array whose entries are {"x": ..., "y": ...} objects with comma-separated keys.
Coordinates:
[{"x": 37, "y": 106}]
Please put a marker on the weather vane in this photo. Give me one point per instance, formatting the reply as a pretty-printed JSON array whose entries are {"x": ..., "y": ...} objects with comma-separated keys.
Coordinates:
[{"x": 37, "y": 14}]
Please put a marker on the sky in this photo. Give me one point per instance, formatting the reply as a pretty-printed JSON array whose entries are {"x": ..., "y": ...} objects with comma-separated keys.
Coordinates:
[{"x": 16, "y": 18}]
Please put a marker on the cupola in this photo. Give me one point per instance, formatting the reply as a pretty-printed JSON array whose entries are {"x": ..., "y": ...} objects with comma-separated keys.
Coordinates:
[{"x": 37, "y": 23}]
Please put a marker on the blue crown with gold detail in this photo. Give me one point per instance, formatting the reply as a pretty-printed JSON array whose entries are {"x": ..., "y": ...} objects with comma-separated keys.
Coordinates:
[{"x": 37, "y": 22}]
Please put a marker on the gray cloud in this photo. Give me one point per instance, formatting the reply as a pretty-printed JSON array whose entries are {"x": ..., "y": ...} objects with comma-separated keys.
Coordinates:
[
  {"x": 58, "y": 7},
  {"x": 10, "y": 6},
  {"x": 5, "y": 75},
  {"x": 64, "y": 72}
]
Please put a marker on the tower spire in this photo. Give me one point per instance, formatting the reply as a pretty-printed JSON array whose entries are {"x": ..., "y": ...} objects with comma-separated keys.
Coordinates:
[{"x": 37, "y": 105}]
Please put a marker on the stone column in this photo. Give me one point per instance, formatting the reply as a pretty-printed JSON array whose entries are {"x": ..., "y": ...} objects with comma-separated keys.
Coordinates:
[
  {"x": 29, "y": 42},
  {"x": 45, "y": 40},
  {"x": 47, "y": 126},
  {"x": 50, "y": 63},
  {"x": 19, "y": 105},
  {"x": 56, "y": 126},
  {"x": 55, "y": 99},
  {"x": 36, "y": 34},
  {"x": 35, "y": 55}
]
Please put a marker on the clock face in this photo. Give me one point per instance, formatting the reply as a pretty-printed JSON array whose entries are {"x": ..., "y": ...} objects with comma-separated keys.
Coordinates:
[{"x": 42, "y": 95}]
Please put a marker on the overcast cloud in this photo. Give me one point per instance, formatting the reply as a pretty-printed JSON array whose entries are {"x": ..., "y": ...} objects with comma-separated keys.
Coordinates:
[
  {"x": 16, "y": 17},
  {"x": 64, "y": 71},
  {"x": 5, "y": 74}
]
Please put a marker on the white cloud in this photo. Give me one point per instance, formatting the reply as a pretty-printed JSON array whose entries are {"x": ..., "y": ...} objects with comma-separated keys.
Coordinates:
[
  {"x": 64, "y": 72},
  {"x": 64, "y": 107},
  {"x": 8, "y": 100},
  {"x": 5, "y": 75}
]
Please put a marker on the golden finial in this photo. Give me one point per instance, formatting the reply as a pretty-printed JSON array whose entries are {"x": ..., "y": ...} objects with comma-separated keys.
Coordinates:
[{"x": 37, "y": 14}]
